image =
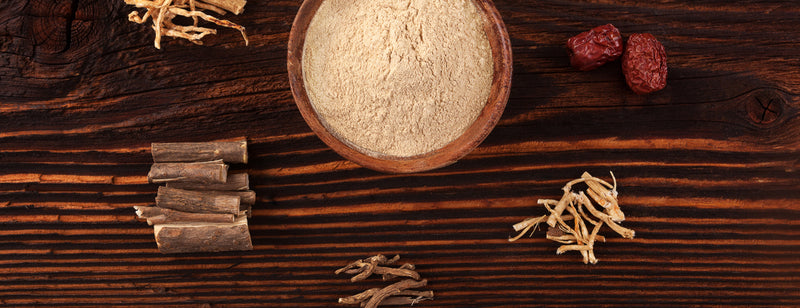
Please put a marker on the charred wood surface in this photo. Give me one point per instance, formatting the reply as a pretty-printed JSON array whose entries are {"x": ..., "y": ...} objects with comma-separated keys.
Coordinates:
[{"x": 708, "y": 168}]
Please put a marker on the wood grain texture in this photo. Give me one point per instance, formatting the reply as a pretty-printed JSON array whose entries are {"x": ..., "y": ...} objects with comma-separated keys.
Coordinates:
[{"x": 707, "y": 168}]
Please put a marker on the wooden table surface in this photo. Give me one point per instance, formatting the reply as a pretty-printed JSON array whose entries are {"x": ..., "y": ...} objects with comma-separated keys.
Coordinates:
[{"x": 707, "y": 168}]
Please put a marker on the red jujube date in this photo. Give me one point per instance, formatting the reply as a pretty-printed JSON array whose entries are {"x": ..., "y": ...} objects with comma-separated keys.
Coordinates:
[
  {"x": 644, "y": 64},
  {"x": 591, "y": 49}
]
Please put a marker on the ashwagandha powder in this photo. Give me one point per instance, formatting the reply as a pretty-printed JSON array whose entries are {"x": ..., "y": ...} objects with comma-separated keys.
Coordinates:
[{"x": 397, "y": 77}]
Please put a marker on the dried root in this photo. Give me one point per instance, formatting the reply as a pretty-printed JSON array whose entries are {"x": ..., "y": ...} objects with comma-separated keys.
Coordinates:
[
  {"x": 164, "y": 11},
  {"x": 577, "y": 236},
  {"x": 399, "y": 293},
  {"x": 392, "y": 295},
  {"x": 375, "y": 265}
]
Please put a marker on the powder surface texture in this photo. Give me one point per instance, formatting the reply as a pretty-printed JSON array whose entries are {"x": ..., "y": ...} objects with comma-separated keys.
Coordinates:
[{"x": 397, "y": 77}]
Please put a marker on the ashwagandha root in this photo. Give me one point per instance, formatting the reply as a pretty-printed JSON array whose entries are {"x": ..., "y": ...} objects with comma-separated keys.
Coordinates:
[
  {"x": 398, "y": 293},
  {"x": 364, "y": 268},
  {"x": 162, "y": 12},
  {"x": 581, "y": 234}
]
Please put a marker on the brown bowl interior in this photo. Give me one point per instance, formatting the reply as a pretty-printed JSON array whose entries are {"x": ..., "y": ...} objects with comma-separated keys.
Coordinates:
[{"x": 471, "y": 138}]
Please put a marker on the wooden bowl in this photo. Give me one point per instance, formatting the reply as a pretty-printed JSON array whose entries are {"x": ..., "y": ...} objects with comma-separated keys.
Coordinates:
[{"x": 450, "y": 153}]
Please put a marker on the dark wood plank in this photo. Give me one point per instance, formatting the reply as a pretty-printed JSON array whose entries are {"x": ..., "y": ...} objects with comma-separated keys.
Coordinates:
[{"x": 708, "y": 177}]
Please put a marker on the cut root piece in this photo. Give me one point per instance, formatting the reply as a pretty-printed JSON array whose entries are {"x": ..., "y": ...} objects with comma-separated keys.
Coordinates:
[
  {"x": 203, "y": 236},
  {"x": 526, "y": 225}
]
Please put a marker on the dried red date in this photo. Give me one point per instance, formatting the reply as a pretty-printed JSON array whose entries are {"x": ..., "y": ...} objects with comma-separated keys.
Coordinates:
[
  {"x": 644, "y": 64},
  {"x": 591, "y": 49}
]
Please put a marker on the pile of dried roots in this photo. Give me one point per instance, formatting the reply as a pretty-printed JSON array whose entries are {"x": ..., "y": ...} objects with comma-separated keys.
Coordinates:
[
  {"x": 162, "y": 12},
  {"x": 399, "y": 293},
  {"x": 577, "y": 235}
]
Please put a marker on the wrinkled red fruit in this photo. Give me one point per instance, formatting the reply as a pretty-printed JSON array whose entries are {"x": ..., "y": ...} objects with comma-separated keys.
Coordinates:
[
  {"x": 644, "y": 64},
  {"x": 591, "y": 49}
]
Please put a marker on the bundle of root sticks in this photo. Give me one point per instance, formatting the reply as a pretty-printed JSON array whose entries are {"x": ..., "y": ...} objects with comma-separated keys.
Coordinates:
[
  {"x": 396, "y": 294},
  {"x": 576, "y": 235},
  {"x": 202, "y": 207},
  {"x": 163, "y": 12}
]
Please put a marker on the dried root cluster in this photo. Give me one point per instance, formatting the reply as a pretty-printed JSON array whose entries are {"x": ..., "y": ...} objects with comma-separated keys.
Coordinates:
[
  {"x": 396, "y": 294},
  {"x": 573, "y": 229},
  {"x": 162, "y": 12}
]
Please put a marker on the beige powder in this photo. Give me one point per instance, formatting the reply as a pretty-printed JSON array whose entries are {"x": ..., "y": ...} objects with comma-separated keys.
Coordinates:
[{"x": 397, "y": 77}]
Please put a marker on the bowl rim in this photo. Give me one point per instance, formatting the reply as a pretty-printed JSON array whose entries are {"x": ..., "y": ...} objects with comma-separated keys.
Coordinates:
[{"x": 450, "y": 153}]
